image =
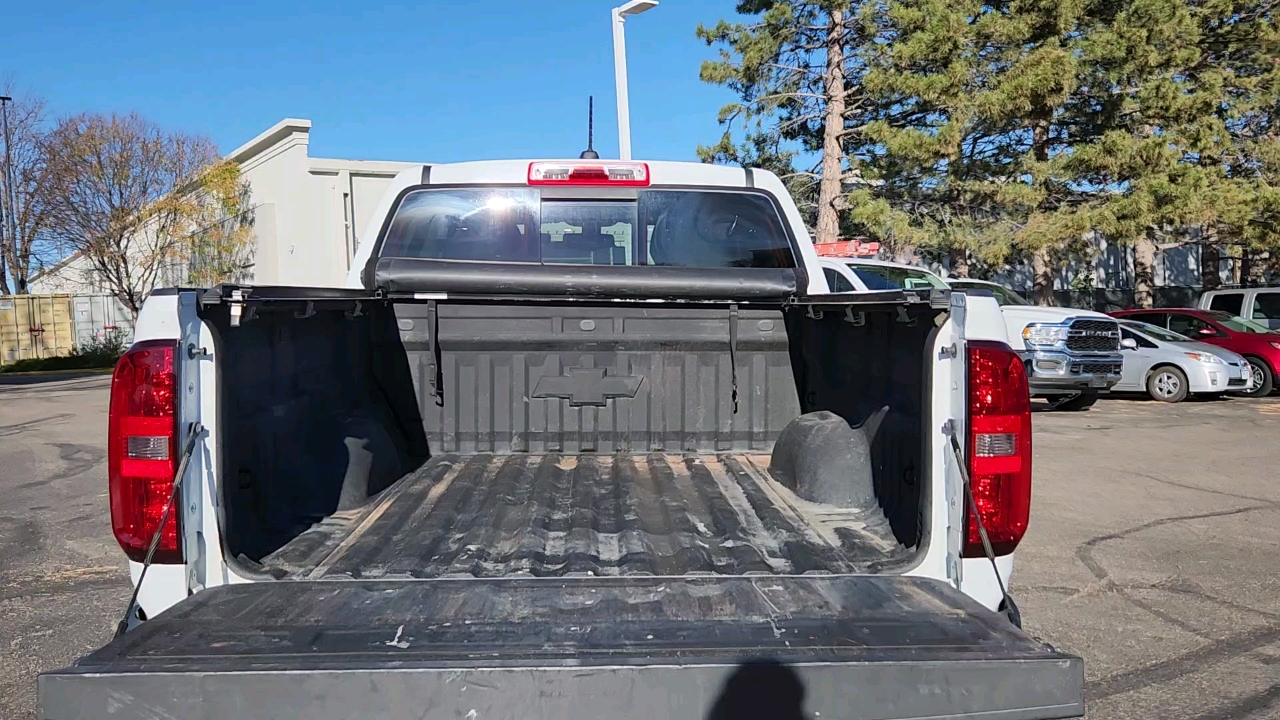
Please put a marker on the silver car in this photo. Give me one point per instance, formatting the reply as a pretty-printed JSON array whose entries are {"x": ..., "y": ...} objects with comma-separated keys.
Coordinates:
[{"x": 1167, "y": 366}]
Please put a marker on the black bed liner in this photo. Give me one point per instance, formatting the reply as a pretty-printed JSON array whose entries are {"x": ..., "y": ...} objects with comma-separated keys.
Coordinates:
[
  {"x": 840, "y": 647},
  {"x": 555, "y": 515}
]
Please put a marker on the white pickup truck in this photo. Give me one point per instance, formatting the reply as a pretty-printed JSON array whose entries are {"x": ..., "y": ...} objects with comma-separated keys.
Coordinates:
[
  {"x": 1072, "y": 355},
  {"x": 578, "y": 439}
]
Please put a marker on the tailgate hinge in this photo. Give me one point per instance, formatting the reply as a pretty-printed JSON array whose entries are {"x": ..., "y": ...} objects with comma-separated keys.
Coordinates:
[
  {"x": 733, "y": 352},
  {"x": 435, "y": 372}
]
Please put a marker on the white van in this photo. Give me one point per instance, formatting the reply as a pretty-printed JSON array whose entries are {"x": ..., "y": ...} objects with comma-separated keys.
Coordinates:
[{"x": 1258, "y": 304}]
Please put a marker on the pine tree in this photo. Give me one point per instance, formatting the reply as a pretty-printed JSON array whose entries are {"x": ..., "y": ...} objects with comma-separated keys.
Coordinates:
[
  {"x": 1015, "y": 128},
  {"x": 973, "y": 131},
  {"x": 799, "y": 102},
  {"x": 1180, "y": 90}
]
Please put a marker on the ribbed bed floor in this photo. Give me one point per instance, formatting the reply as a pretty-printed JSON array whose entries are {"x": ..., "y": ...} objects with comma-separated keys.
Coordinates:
[{"x": 554, "y": 516}]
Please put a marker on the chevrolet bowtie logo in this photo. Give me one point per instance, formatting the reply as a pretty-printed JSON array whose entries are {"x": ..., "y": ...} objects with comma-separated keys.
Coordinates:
[{"x": 587, "y": 386}]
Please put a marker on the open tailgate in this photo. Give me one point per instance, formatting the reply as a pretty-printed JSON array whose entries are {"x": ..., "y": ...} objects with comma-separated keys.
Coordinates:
[{"x": 622, "y": 647}]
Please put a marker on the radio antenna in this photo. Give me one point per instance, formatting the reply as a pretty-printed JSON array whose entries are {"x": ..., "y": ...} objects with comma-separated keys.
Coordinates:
[{"x": 589, "y": 153}]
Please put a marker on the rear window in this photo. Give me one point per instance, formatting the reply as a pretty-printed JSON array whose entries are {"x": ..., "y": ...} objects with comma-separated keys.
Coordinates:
[
  {"x": 1230, "y": 303},
  {"x": 1003, "y": 295},
  {"x": 888, "y": 277},
  {"x": 836, "y": 282},
  {"x": 1266, "y": 306},
  {"x": 688, "y": 228}
]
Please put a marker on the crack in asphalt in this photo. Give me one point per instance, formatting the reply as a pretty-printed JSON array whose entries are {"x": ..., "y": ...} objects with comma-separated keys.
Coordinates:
[
  {"x": 16, "y": 428},
  {"x": 1084, "y": 553},
  {"x": 1211, "y": 491},
  {"x": 1184, "y": 664},
  {"x": 1246, "y": 706},
  {"x": 1196, "y": 660}
]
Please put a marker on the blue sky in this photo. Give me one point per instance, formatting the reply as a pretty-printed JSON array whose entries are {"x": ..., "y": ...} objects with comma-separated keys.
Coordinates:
[{"x": 434, "y": 82}]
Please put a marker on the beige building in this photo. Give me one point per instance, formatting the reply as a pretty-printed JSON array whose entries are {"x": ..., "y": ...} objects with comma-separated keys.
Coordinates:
[{"x": 308, "y": 213}]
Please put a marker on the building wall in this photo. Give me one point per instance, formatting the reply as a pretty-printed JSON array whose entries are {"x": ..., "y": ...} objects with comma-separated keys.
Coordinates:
[{"x": 308, "y": 214}]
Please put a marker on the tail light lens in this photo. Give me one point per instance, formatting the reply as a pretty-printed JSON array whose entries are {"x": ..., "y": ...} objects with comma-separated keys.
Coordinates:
[
  {"x": 999, "y": 448},
  {"x": 142, "y": 449}
]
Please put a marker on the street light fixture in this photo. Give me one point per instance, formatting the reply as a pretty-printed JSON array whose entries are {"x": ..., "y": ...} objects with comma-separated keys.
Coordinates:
[{"x": 620, "y": 13}]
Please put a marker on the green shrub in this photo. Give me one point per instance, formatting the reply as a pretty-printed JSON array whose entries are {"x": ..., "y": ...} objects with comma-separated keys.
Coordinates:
[{"x": 98, "y": 353}]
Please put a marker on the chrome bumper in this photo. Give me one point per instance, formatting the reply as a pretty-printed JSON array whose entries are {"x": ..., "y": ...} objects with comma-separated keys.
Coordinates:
[{"x": 1058, "y": 371}]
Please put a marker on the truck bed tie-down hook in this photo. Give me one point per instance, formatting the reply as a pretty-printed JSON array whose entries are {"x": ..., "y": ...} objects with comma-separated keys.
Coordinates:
[{"x": 311, "y": 310}]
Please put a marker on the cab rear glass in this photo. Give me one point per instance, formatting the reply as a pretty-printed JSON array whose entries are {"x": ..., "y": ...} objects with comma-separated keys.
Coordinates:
[{"x": 683, "y": 228}]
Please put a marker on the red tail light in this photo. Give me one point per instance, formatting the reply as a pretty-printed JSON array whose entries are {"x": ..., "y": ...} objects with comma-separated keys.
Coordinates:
[
  {"x": 142, "y": 450},
  {"x": 572, "y": 172},
  {"x": 999, "y": 447}
]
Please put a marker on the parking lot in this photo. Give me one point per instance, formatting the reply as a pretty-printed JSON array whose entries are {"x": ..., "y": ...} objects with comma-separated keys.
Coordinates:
[{"x": 1152, "y": 551}]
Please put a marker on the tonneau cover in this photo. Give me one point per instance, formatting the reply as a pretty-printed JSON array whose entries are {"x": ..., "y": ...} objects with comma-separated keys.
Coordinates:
[{"x": 629, "y": 647}]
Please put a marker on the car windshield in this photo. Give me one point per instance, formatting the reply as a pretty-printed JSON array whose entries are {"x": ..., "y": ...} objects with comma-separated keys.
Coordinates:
[
  {"x": 1157, "y": 333},
  {"x": 1238, "y": 324},
  {"x": 1003, "y": 295},
  {"x": 889, "y": 277},
  {"x": 690, "y": 228}
]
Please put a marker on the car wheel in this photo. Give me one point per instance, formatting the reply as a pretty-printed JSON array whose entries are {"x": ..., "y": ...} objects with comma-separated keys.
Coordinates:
[
  {"x": 1076, "y": 403},
  {"x": 1167, "y": 384},
  {"x": 1263, "y": 381}
]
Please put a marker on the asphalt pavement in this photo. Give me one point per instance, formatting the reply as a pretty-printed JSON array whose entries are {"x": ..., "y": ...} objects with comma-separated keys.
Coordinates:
[{"x": 1153, "y": 550}]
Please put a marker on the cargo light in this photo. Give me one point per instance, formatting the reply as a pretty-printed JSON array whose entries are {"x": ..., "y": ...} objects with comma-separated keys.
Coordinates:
[
  {"x": 999, "y": 448},
  {"x": 142, "y": 450},
  {"x": 569, "y": 172}
]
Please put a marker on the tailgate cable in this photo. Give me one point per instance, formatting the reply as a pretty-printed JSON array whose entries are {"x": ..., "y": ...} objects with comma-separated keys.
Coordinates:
[
  {"x": 194, "y": 430},
  {"x": 1011, "y": 610}
]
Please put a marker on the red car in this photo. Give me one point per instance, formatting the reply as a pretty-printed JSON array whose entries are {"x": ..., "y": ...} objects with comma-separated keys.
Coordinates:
[{"x": 1256, "y": 342}]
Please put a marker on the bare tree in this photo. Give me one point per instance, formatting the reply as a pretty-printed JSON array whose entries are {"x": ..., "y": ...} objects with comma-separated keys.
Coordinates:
[
  {"x": 136, "y": 201},
  {"x": 22, "y": 241}
]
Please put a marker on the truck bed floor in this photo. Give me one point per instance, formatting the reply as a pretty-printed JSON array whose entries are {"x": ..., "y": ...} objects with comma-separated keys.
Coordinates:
[{"x": 589, "y": 515}]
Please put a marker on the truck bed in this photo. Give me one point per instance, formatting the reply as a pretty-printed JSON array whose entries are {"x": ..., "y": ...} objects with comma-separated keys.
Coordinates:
[{"x": 559, "y": 515}]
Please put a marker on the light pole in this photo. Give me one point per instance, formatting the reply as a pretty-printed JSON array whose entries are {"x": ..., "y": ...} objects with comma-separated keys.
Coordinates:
[
  {"x": 620, "y": 13},
  {"x": 9, "y": 198}
]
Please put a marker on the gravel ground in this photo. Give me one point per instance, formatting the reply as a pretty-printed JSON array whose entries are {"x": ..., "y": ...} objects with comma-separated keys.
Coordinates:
[{"x": 1152, "y": 551}]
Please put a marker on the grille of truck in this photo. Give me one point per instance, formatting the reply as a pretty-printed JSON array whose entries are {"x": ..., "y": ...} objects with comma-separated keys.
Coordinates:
[
  {"x": 1099, "y": 368},
  {"x": 1094, "y": 336}
]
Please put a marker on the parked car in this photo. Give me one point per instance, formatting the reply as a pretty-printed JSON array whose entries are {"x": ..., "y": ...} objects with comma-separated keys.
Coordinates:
[
  {"x": 1072, "y": 356},
  {"x": 556, "y": 470},
  {"x": 1262, "y": 305},
  {"x": 885, "y": 275},
  {"x": 1168, "y": 366},
  {"x": 1003, "y": 295},
  {"x": 1259, "y": 345}
]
